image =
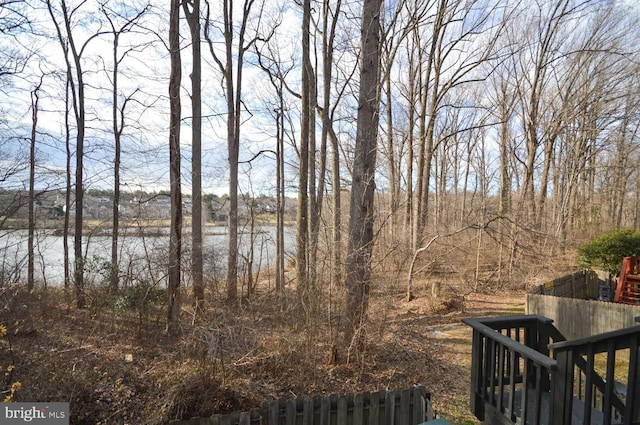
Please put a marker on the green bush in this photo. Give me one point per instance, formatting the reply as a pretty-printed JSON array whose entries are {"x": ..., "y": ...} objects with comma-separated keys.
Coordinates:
[
  {"x": 139, "y": 298},
  {"x": 607, "y": 250}
]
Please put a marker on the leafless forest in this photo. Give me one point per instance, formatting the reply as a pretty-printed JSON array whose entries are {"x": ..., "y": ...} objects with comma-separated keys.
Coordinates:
[
  {"x": 443, "y": 150},
  {"x": 469, "y": 144}
]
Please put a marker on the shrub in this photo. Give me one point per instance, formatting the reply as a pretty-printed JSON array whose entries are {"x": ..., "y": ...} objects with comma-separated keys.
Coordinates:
[
  {"x": 8, "y": 388},
  {"x": 607, "y": 250},
  {"x": 139, "y": 298}
]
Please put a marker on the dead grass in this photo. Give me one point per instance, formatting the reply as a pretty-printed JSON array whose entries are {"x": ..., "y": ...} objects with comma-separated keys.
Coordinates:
[{"x": 119, "y": 369}]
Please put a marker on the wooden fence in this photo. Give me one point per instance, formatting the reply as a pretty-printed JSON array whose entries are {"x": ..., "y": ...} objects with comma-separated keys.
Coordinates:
[
  {"x": 401, "y": 407},
  {"x": 572, "y": 302},
  {"x": 576, "y": 318},
  {"x": 584, "y": 284}
]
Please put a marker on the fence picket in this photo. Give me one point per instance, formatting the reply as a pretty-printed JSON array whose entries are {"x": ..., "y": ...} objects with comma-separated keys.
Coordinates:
[
  {"x": 342, "y": 411},
  {"x": 389, "y": 410},
  {"x": 374, "y": 409},
  {"x": 358, "y": 409},
  {"x": 291, "y": 412},
  {"x": 307, "y": 412},
  {"x": 404, "y": 407},
  {"x": 417, "y": 404},
  {"x": 272, "y": 413},
  {"x": 325, "y": 411},
  {"x": 244, "y": 419}
]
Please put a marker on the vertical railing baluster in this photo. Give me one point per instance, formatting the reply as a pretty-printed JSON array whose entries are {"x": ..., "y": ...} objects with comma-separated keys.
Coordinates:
[
  {"x": 588, "y": 385},
  {"x": 492, "y": 372},
  {"x": 512, "y": 384},
  {"x": 524, "y": 400},
  {"x": 476, "y": 403},
  {"x": 486, "y": 367},
  {"x": 538, "y": 396},
  {"x": 501, "y": 361}
]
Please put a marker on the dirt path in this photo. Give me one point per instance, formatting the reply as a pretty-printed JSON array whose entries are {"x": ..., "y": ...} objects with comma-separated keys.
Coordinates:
[{"x": 449, "y": 348}]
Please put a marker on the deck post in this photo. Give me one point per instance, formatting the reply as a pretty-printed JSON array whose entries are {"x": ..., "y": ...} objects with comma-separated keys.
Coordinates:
[
  {"x": 562, "y": 390},
  {"x": 633, "y": 384},
  {"x": 476, "y": 400}
]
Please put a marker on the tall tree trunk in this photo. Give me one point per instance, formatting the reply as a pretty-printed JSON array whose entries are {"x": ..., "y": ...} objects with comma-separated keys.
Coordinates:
[
  {"x": 32, "y": 192},
  {"x": 77, "y": 90},
  {"x": 416, "y": 230},
  {"x": 79, "y": 184},
  {"x": 415, "y": 72},
  {"x": 193, "y": 19},
  {"x": 280, "y": 198},
  {"x": 328, "y": 38},
  {"x": 429, "y": 99},
  {"x": 505, "y": 175},
  {"x": 67, "y": 195},
  {"x": 337, "y": 212},
  {"x": 233, "y": 151},
  {"x": 360, "y": 247},
  {"x": 316, "y": 165},
  {"x": 394, "y": 204},
  {"x": 114, "y": 274},
  {"x": 118, "y": 126},
  {"x": 233, "y": 91},
  {"x": 302, "y": 238},
  {"x": 544, "y": 181},
  {"x": 175, "y": 236}
]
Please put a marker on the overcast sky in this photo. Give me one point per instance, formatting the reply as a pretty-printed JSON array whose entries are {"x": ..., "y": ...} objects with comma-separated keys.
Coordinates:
[{"x": 144, "y": 80}]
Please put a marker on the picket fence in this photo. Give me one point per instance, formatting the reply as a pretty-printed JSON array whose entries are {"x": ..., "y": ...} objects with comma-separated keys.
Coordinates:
[{"x": 410, "y": 406}]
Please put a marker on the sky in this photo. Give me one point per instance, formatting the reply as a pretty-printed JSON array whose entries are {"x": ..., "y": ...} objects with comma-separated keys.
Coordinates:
[{"x": 144, "y": 82}]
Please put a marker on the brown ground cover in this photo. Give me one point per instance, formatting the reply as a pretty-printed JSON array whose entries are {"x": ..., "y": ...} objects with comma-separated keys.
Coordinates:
[{"x": 119, "y": 367}]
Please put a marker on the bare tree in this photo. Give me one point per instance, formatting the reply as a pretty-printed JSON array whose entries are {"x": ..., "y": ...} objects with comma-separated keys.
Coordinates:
[
  {"x": 549, "y": 31},
  {"x": 75, "y": 77},
  {"x": 175, "y": 236},
  {"x": 270, "y": 61},
  {"x": 455, "y": 25},
  {"x": 302, "y": 221},
  {"x": 233, "y": 93},
  {"x": 35, "y": 97},
  {"x": 360, "y": 246},
  {"x": 192, "y": 12},
  {"x": 68, "y": 180},
  {"x": 118, "y": 126},
  {"x": 330, "y": 22},
  {"x": 13, "y": 20}
]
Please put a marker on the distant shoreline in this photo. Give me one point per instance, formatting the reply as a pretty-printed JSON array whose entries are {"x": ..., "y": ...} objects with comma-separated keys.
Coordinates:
[{"x": 127, "y": 227}]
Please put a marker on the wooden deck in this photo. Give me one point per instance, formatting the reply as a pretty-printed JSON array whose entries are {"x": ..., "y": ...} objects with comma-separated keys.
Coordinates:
[
  {"x": 493, "y": 416},
  {"x": 524, "y": 361}
]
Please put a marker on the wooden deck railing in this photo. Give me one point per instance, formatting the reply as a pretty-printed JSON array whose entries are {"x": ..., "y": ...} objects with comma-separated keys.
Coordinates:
[
  {"x": 602, "y": 372},
  {"x": 511, "y": 367},
  {"x": 525, "y": 372}
]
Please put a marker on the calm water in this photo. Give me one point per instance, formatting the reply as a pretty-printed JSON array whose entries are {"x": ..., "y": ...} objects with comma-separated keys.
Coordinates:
[{"x": 140, "y": 257}]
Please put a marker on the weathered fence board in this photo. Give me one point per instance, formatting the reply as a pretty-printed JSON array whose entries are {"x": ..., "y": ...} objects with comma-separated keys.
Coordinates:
[
  {"x": 401, "y": 407},
  {"x": 583, "y": 284},
  {"x": 576, "y": 318}
]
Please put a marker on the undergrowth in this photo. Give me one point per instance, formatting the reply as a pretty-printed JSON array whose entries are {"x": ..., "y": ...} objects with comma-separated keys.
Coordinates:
[{"x": 114, "y": 364}]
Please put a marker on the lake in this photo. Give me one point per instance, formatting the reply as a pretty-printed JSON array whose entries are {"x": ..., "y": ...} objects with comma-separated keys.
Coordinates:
[{"x": 141, "y": 257}]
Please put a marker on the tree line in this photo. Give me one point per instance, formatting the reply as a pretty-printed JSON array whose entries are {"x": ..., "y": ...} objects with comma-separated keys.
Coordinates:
[{"x": 511, "y": 125}]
